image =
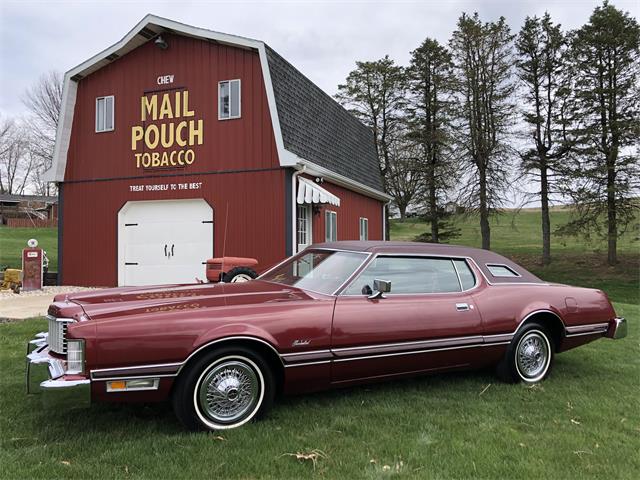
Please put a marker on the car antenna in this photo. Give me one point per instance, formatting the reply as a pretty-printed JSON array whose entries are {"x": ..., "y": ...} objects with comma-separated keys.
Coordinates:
[{"x": 224, "y": 240}]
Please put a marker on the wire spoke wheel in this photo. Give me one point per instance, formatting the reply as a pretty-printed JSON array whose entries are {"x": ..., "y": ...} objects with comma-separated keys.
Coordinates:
[
  {"x": 229, "y": 392},
  {"x": 533, "y": 356}
]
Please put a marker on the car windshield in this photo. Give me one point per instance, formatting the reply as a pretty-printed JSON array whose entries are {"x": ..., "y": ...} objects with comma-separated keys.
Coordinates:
[{"x": 321, "y": 271}]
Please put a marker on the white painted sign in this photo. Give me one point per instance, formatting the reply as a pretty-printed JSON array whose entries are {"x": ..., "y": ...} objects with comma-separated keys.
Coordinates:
[
  {"x": 162, "y": 187},
  {"x": 165, "y": 79}
]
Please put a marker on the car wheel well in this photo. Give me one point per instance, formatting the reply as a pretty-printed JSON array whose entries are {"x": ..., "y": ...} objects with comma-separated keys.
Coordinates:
[
  {"x": 552, "y": 322},
  {"x": 266, "y": 353}
]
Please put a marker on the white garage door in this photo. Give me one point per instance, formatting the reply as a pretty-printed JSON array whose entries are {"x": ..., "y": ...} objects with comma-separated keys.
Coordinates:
[{"x": 164, "y": 241}]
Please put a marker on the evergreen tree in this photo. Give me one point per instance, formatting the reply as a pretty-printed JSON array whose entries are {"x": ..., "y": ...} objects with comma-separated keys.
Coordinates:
[
  {"x": 429, "y": 78},
  {"x": 485, "y": 85},
  {"x": 374, "y": 93},
  {"x": 542, "y": 68},
  {"x": 604, "y": 176}
]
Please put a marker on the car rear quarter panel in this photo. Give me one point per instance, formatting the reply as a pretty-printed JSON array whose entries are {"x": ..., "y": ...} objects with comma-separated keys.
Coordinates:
[{"x": 503, "y": 307}]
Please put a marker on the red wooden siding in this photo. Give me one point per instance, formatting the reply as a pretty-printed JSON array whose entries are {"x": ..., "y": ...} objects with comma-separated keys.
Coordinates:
[
  {"x": 255, "y": 228},
  {"x": 352, "y": 206},
  {"x": 198, "y": 66}
]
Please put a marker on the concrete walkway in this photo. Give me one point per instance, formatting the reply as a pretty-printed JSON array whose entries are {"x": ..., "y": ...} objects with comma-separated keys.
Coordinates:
[{"x": 30, "y": 304}]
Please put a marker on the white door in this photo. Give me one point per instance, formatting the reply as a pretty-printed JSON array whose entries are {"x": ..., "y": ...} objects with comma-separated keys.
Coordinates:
[
  {"x": 165, "y": 241},
  {"x": 304, "y": 227}
]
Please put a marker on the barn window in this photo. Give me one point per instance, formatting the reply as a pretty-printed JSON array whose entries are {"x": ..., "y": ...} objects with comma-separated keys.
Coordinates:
[
  {"x": 104, "y": 114},
  {"x": 229, "y": 102},
  {"x": 330, "y": 226},
  {"x": 364, "y": 228}
]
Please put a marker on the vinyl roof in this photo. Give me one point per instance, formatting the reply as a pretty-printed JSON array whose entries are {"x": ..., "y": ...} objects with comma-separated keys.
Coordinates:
[{"x": 483, "y": 258}]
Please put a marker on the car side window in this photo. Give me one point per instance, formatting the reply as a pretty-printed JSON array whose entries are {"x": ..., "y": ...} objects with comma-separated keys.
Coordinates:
[
  {"x": 467, "y": 278},
  {"x": 408, "y": 275}
]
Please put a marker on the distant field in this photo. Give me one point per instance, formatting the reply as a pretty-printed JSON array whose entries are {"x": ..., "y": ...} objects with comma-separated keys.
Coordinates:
[
  {"x": 13, "y": 240},
  {"x": 576, "y": 261},
  {"x": 520, "y": 232}
]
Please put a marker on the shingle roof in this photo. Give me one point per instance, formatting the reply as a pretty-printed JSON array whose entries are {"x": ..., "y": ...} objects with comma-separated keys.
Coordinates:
[{"x": 316, "y": 128}]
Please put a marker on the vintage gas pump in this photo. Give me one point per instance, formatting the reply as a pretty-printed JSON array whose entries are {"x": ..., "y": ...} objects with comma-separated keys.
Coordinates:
[{"x": 32, "y": 271}]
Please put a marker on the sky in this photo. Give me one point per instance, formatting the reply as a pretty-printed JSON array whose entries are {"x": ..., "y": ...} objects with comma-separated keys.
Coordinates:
[{"x": 323, "y": 39}]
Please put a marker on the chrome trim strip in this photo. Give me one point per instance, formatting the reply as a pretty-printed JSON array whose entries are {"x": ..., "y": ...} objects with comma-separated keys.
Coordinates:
[
  {"x": 591, "y": 327},
  {"x": 149, "y": 370},
  {"x": 117, "y": 369},
  {"x": 595, "y": 332},
  {"x": 305, "y": 364},
  {"x": 226, "y": 339},
  {"x": 286, "y": 356},
  {"x": 414, "y": 352},
  {"x": 133, "y": 377},
  {"x": 542, "y": 310},
  {"x": 426, "y": 343}
]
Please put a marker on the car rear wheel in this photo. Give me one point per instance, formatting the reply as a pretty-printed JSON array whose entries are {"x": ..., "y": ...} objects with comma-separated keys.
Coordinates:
[
  {"x": 529, "y": 356},
  {"x": 224, "y": 389}
]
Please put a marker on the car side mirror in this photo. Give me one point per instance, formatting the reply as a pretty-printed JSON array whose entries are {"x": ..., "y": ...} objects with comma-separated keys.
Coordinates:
[{"x": 380, "y": 287}]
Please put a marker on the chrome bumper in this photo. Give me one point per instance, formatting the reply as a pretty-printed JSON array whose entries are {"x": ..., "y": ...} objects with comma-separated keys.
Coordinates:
[
  {"x": 617, "y": 328},
  {"x": 45, "y": 373}
]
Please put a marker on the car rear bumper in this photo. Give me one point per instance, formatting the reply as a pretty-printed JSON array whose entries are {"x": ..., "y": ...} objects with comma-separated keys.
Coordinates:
[
  {"x": 617, "y": 328},
  {"x": 45, "y": 374}
]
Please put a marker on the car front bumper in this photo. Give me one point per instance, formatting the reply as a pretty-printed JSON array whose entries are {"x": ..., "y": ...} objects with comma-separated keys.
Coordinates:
[
  {"x": 45, "y": 374},
  {"x": 617, "y": 328}
]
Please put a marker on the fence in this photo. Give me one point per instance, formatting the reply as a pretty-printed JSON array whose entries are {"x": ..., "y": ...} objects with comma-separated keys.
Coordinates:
[{"x": 31, "y": 223}]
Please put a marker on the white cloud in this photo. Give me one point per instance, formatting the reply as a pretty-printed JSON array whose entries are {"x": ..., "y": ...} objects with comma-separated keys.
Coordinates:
[{"x": 321, "y": 38}]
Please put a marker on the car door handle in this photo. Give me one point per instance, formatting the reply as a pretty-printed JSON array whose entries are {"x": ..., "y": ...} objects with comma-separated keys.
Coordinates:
[{"x": 462, "y": 307}]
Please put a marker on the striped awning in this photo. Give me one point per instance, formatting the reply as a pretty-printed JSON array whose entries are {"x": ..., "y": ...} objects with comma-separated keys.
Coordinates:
[{"x": 311, "y": 192}]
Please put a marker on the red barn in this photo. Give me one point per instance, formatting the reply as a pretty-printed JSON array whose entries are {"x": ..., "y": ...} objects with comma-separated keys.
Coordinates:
[{"x": 177, "y": 144}]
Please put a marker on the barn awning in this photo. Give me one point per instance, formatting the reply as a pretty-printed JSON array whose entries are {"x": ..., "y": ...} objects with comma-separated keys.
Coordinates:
[{"x": 310, "y": 192}]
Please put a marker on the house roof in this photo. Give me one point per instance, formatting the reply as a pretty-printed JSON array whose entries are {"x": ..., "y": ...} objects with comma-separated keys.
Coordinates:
[
  {"x": 312, "y": 131},
  {"x": 10, "y": 198},
  {"x": 315, "y": 127}
]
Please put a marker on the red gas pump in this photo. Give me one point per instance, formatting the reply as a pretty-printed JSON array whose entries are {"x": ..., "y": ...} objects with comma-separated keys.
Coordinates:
[{"x": 32, "y": 271}]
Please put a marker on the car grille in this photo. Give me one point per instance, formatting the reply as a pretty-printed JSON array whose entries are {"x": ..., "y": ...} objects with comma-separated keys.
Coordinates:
[{"x": 57, "y": 334}]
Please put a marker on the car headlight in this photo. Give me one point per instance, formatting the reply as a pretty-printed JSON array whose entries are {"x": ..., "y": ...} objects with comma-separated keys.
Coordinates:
[{"x": 75, "y": 356}]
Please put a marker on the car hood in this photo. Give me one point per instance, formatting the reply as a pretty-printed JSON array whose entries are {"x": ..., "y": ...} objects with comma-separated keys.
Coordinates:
[{"x": 165, "y": 299}]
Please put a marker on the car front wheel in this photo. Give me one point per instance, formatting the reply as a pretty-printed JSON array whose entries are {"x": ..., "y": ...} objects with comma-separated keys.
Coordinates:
[
  {"x": 529, "y": 356},
  {"x": 224, "y": 389}
]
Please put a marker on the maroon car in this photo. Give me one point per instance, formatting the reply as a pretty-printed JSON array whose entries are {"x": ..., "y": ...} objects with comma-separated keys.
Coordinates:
[{"x": 336, "y": 314}]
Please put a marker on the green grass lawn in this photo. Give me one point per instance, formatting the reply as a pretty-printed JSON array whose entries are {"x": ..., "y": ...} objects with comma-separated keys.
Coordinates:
[
  {"x": 13, "y": 240},
  {"x": 584, "y": 421}
]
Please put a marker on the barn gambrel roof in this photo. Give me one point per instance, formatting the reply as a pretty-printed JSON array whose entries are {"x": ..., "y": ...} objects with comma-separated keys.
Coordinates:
[{"x": 312, "y": 131}]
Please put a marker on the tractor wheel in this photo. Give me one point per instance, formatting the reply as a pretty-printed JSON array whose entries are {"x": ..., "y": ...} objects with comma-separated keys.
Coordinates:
[{"x": 239, "y": 274}]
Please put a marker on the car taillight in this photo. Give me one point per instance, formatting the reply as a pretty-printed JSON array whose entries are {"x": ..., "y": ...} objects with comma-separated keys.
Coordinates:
[{"x": 75, "y": 356}]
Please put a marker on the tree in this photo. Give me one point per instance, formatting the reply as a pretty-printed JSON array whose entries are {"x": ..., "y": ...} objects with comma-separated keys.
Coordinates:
[
  {"x": 542, "y": 69},
  {"x": 16, "y": 158},
  {"x": 374, "y": 93},
  {"x": 429, "y": 79},
  {"x": 485, "y": 86},
  {"x": 404, "y": 176},
  {"x": 43, "y": 100},
  {"x": 604, "y": 176}
]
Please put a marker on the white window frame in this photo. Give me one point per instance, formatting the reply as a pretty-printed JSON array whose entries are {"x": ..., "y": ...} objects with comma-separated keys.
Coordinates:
[
  {"x": 113, "y": 113},
  {"x": 328, "y": 214},
  {"x": 364, "y": 221},
  {"x": 230, "y": 117},
  {"x": 307, "y": 227}
]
